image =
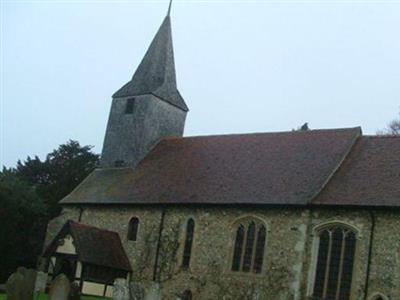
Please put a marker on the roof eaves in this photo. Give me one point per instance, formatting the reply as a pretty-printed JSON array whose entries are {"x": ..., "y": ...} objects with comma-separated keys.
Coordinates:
[{"x": 83, "y": 182}]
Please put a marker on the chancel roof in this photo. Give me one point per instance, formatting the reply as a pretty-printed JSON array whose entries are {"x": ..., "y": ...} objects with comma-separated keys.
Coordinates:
[
  {"x": 93, "y": 246},
  {"x": 370, "y": 175},
  {"x": 321, "y": 167}
]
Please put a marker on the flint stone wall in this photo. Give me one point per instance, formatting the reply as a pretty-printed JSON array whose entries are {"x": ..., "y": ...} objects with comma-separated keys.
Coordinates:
[{"x": 289, "y": 250}]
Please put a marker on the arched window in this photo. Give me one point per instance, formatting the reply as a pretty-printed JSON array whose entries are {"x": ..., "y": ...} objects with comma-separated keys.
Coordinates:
[
  {"x": 248, "y": 252},
  {"x": 187, "y": 250},
  {"x": 133, "y": 229},
  {"x": 378, "y": 296},
  {"x": 187, "y": 295},
  {"x": 334, "y": 268}
]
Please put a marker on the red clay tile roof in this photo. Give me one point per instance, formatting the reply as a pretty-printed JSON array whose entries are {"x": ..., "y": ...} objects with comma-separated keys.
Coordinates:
[
  {"x": 94, "y": 246},
  {"x": 265, "y": 168},
  {"x": 370, "y": 175}
]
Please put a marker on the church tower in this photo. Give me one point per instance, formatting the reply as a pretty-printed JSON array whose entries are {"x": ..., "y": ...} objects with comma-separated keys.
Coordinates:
[{"x": 146, "y": 109}]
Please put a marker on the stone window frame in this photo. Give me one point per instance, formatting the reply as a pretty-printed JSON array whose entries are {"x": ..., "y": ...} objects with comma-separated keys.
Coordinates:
[
  {"x": 129, "y": 228},
  {"x": 315, "y": 248},
  {"x": 233, "y": 230},
  {"x": 377, "y": 295},
  {"x": 182, "y": 239}
]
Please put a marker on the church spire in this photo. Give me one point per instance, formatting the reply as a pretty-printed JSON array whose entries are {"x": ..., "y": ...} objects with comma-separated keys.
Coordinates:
[
  {"x": 148, "y": 108},
  {"x": 156, "y": 73},
  {"x": 169, "y": 8}
]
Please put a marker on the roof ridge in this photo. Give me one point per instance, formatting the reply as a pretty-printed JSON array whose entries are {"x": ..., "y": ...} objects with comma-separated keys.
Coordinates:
[{"x": 263, "y": 133}]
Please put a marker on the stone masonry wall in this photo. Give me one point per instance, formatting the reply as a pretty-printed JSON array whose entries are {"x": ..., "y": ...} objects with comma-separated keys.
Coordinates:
[
  {"x": 289, "y": 258},
  {"x": 385, "y": 267}
]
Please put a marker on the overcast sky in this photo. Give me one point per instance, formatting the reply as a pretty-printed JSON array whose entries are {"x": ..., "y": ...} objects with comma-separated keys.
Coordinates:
[{"x": 242, "y": 66}]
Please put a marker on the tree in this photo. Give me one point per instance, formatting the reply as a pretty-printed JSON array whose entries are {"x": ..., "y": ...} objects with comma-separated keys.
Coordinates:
[
  {"x": 393, "y": 128},
  {"x": 62, "y": 170},
  {"x": 29, "y": 196},
  {"x": 22, "y": 223}
]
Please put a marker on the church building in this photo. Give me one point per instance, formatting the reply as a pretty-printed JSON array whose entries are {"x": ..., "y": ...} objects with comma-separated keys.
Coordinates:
[{"x": 309, "y": 214}]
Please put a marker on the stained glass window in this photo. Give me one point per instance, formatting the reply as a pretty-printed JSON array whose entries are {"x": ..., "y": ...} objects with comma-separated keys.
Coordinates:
[
  {"x": 248, "y": 252},
  {"x": 334, "y": 264}
]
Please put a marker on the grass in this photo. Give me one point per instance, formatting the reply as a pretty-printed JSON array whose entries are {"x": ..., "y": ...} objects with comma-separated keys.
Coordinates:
[{"x": 44, "y": 297}]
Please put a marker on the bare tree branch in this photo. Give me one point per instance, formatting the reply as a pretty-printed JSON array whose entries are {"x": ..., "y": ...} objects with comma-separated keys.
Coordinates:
[{"x": 393, "y": 128}]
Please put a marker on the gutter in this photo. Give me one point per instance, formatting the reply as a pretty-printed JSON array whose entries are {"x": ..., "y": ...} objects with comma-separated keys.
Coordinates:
[
  {"x": 160, "y": 229},
  {"x": 371, "y": 242}
]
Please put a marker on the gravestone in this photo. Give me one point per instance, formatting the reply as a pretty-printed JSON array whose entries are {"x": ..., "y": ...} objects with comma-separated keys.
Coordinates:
[
  {"x": 22, "y": 270},
  {"x": 29, "y": 283},
  {"x": 136, "y": 291},
  {"x": 42, "y": 264},
  {"x": 15, "y": 286},
  {"x": 75, "y": 293},
  {"x": 120, "y": 289},
  {"x": 21, "y": 284},
  {"x": 60, "y": 288},
  {"x": 41, "y": 282},
  {"x": 153, "y": 292}
]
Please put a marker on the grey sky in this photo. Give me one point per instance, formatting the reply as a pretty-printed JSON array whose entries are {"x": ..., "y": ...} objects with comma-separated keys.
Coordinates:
[{"x": 242, "y": 66}]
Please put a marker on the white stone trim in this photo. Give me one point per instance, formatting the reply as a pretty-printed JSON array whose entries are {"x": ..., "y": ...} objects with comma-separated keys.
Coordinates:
[{"x": 376, "y": 295}]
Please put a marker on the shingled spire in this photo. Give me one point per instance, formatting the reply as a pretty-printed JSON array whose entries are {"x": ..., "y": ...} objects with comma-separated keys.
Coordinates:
[
  {"x": 156, "y": 73},
  {"x": 148, "y": 108}
]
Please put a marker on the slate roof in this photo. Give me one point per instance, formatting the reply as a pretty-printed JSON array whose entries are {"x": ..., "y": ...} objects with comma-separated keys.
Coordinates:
[
  {"x": 156, "y": 73},
  {"x": 369, "y": 176},
  {"x": 317, "y": 167},
  {"x": 93, "y": 245}
]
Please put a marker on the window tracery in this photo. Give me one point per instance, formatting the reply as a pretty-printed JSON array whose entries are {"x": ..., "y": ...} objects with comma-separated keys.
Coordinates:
[
  {"x": 249, "y": 246},
  {"x": 334, "y": 265}
]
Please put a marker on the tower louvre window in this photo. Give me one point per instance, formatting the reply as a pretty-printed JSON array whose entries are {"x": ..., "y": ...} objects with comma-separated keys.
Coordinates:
[
  {"x": 119, "y": 163},
  {"x": 334, "y": 269},
  {"x": 187, "y": 251},
  {"x": 130, "y": 105}
]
